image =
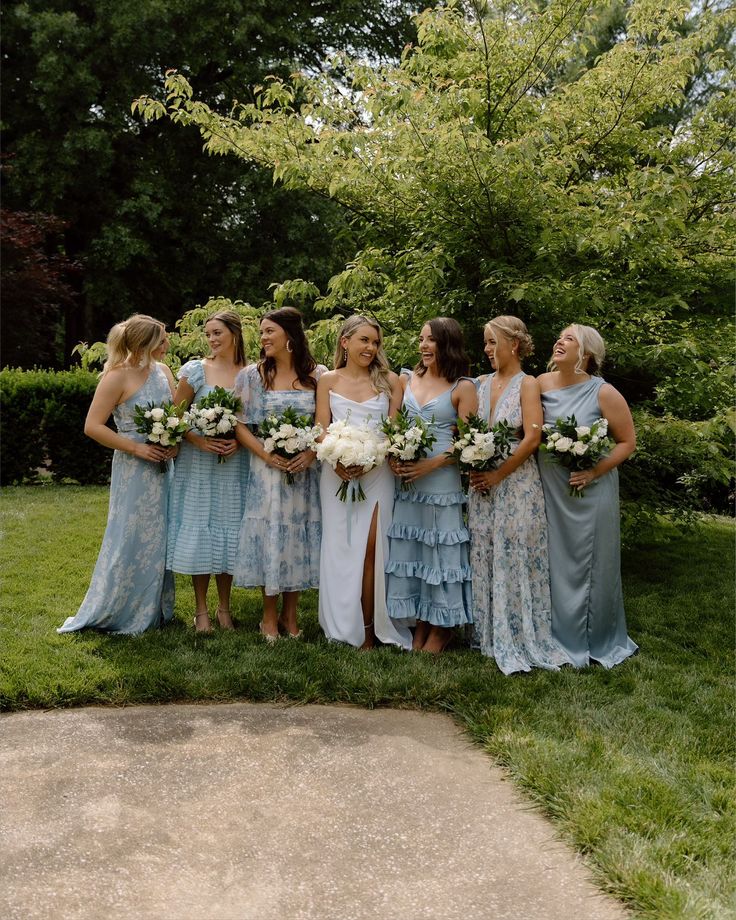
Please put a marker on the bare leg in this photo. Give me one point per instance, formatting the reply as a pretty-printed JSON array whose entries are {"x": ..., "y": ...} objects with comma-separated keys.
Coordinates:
[
  {"x": 270, "y": 623},
  {"x": 224, "y": 586},
  {"x": 368, "y": 591},
  {"x": 288, "y": 613},
  {"x": 420, "y": 636},
  {"x": 200, "y": 583},
  {"x": 437, "y": 639}
]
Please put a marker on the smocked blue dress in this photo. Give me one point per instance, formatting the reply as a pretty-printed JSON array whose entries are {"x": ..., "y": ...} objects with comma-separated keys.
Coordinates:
[
  {"x": 281, "y": 530},
  {"x": 508, "y": 556},
  {"x": 428, "y": 569},
  {"x": 131, "y": 590},
  {"x": 588, "y": 616},
  {"x": 207, "y": 500}
]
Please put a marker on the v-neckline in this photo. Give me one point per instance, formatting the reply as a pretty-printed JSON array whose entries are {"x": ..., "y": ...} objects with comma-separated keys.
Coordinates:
[
  {"x": 423, "y": 406},
  {"x": 491, "y": 407}
]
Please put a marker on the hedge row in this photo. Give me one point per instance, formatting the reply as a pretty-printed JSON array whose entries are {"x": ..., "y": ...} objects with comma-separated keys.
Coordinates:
[
  {"x": 679, "y": 466},
  {"x": 42, "y": 427}
]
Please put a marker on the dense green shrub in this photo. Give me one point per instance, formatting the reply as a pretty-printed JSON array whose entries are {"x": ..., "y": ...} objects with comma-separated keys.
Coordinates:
[
  {"x": 42, "y": 427},
  {"x": 679, "y": 468}
]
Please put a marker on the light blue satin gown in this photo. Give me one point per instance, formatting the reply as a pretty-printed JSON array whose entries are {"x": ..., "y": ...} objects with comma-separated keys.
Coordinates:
[
  {"x": 207, "y": 500},
  {"x": 428, "y": 568},
  {"x": 588, "y": 616},
  {"x": 131, "y": 590}
]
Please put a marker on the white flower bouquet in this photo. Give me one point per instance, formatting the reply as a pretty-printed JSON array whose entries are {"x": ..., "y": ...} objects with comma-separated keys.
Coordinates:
[
  {"x": 408, "y": 438},
  {"x": 352, "y": 445},
  {"x": 479, "y": 447},
  {"x": 214, "y": 416},
  {"x": 288, "y": 434},
  {"x": 164, "y": 424},
  {"x": 577, "y": 447}
]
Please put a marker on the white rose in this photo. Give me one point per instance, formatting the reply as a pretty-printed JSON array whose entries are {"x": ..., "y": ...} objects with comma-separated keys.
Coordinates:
[
  {"x": 147, "y": 413},
  {"x": 582, "y": 431},
  {"x": 172, "y": 421},
  {"x": 223, "y": 426},
  {"x": 578, "y": 448},
  {"x": 153, "y": 438},
  {"x": 555, "y": 436},
  {"x": 157, "y": 414},
  {"x": 563, "y": 444},
  {"x": 157, "y": 428}
]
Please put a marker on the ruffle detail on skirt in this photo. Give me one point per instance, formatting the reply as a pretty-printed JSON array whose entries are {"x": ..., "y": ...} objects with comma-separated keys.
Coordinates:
[
  {"x": 414, "y": 608},
  {"x": 428, "y": 536},
  {"x": 429, "y": 574},
  {"x": 431, "y": 498}
]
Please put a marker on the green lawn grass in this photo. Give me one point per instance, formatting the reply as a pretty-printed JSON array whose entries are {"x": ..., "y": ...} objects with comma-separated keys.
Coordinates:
[{"x": 634, "y": 765}]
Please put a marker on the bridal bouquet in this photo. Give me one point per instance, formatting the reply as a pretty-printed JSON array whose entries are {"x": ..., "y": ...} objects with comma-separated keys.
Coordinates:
[
  {"x": 214, "y": 416},
  {"x": 479, "y": 447},
  {"x": 408, "y": 438},
  {"x": 352, "y": 445},
  {"x": 577, "y": 447},
  {"x": 288, "y": 434},
  {"x": 163, "y": 424}
]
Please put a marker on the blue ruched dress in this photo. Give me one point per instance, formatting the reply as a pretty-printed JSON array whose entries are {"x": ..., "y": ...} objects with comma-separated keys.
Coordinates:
[
  {"x": 428, "y": 569},
  {"x": 131, "y": 590},
  {"x": 281, "y": 529},
  {"x": 588, "y": 616},
  {"x": 207, "y": 500}
]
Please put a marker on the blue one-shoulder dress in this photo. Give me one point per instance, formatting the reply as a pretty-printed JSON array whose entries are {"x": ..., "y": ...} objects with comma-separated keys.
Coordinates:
[
  {"x": 131, "y": 590},
  {"x": 588, "y": 616},
  {"x": 428, "y": 569},
  {"x": 207, "y": 500}
]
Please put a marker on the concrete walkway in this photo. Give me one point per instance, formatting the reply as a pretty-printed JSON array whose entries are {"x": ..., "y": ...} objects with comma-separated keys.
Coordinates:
[{"x": 261, "y": 812}]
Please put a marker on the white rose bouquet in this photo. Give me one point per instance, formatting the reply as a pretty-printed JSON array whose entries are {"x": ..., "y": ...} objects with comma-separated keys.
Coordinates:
[
  {"x": 577, "y": 447},
  {"x": 288, "y": 434},
  {"x": 408, "y": 438},
  {"x": 214, "y": 416},
  {"x": 163, "y": 424},
  {"x": 479, "y": 447},
  {"x": 352, "y": 445}
]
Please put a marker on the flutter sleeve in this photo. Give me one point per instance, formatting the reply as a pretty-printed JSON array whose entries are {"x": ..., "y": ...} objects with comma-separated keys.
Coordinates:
[
  {"x": 249, "y": 389},
  {"x": 193, "y": 373}
]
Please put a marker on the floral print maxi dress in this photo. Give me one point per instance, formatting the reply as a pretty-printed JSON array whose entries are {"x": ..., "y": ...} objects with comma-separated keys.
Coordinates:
[
  {"x": 131, "y": 590},
  {"x": 508, "y": 557},
  {"x": 278, "y": 547}
]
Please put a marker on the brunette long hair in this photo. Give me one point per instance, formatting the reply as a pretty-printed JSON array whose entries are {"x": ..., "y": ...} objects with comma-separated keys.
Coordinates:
[
  {"x": 290, "y": 320},
  {"x": 452, "y": 362}
]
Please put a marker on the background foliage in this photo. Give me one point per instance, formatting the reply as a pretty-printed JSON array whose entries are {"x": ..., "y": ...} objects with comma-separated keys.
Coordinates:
[{"x": 151, "y": 224}]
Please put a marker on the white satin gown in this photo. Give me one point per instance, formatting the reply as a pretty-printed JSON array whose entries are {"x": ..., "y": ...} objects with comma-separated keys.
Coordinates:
[{"x": 345, "y": 530}]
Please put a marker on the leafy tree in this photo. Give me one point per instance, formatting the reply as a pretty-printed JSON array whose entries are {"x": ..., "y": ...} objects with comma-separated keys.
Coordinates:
[
  {"x": 156, "y": 226},
  {"x": 37, "y": 289},
  {"x": 485, "y": 174}
]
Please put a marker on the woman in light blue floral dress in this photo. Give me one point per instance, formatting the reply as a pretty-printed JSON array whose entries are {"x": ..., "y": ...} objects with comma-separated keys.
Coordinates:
[
  {"x": 131, "y": 590},
  {"x": 508, "y": 527},
  {"x": 428, "y": 568},
  {"x": 281, "y": 530},
  {"x": 207, "y": 498}
]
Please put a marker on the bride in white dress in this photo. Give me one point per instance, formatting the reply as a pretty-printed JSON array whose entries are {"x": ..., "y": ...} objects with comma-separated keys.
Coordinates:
[{"x": 352, "y": 587}]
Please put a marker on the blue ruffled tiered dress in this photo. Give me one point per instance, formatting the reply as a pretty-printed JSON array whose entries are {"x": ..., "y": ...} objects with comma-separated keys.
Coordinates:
[
  {"x": 428, "y": 569},
  {"x": 281, "y": 529},
  {"x": 207, "y": 500}
]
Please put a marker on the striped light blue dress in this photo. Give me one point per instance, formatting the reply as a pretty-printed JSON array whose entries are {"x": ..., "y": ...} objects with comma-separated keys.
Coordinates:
[
  {"x": 207, "y": 500},
  {"x": 130, "y": 590}
]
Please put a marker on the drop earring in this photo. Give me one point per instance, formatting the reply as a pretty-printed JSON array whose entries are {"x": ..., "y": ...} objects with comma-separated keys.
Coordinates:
[{"x": 344, "y": 356}]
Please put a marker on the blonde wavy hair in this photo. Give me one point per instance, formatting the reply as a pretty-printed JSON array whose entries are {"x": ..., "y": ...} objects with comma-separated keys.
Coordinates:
[
  {"x": 133, "y": 342},
  {"x": 513, "y": 329},
  {"x": 591, "y": 350},
  {"x": 379, "y": 367}
]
